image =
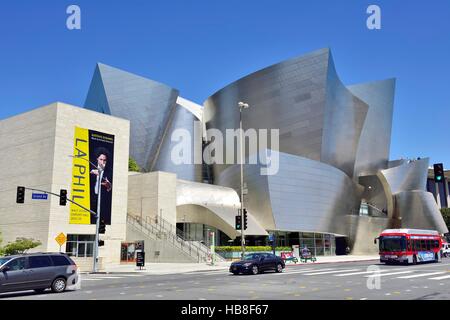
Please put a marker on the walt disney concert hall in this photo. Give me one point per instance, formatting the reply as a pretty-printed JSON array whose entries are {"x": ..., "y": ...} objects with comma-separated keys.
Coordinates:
[{"x": 335, "y": 186}]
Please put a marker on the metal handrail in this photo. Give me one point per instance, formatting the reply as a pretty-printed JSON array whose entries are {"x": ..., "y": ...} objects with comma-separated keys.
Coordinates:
[
  {"x": 178, "y": 242},
  {"x": 162, "y": 225}
]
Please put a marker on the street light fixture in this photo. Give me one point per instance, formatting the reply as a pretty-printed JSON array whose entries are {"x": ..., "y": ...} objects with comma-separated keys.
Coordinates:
[
  {"x": 242, "y": 106},
  {"x": 101, "y": 170}
]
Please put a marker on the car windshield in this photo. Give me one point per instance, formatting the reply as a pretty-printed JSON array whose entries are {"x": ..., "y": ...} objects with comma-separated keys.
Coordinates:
[
  {"x": 252, "y": 256},
  {"x": 392, "y": 243},
  {"x": 4, "y": 260}
]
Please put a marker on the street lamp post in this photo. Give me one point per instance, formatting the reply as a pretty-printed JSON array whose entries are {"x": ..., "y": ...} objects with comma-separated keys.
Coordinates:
[
  {"x": 242, "y": 106},
  {"x": 97, "y": 216}
]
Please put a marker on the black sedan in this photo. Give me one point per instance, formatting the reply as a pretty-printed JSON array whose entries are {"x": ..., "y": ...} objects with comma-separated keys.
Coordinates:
[{"x": 254, "y": 263}]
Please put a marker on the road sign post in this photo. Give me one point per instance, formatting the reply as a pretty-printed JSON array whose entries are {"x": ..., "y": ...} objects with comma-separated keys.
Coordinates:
[{"x": 61, "y": 239}]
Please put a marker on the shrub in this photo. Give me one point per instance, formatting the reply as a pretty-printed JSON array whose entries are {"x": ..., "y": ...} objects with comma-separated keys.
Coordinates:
[{"x": 21, "y": 245}]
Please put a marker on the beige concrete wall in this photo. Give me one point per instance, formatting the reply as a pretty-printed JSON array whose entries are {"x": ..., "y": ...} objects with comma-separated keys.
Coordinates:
[
  {"x": 38, "y": 145},
  {"x": 152, "y": 194},
  {"x": 158, "y": 251},
  {"x": 27, "y": 144}
]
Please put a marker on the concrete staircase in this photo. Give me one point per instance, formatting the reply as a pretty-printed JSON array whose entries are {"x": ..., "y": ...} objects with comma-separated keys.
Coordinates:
[{"x": 164, "y": 243}]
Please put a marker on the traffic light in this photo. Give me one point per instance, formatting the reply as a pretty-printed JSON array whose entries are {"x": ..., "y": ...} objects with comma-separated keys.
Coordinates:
[
  {"x": 439, "y": 172},
  {"x": 102, "y": 227},
  {"x": 62, "y": 197},
  {"x": 245, "y": 219},
  {"x": 238, "y": 223},
  {"x": 20, "y": 195},
  {"x": 101, "y": 243}
]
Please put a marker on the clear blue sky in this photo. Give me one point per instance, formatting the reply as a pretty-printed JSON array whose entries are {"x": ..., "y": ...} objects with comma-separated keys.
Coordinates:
[{"x": 199, "y": 46}]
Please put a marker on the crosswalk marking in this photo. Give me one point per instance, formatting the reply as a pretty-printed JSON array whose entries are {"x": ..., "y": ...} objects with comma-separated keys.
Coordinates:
[
  {"x": 421, "y": 275},
  {"x": 329, "y": 272},
  {"x": 387, "y": 274},
  {"x": 440, "y": 278},
  {"x": 359, "y": 273}
]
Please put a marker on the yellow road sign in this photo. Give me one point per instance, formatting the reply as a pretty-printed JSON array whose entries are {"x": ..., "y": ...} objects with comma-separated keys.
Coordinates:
[{"x": 61, "y": 239}]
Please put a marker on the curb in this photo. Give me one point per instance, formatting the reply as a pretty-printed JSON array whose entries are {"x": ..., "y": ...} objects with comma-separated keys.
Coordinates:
[
  {"x": 315, "y": 263},
  {"x": 217, "y": 270}
]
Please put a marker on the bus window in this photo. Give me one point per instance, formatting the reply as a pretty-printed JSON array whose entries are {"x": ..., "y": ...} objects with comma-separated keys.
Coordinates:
[
  {"x": 428, "y": 245},
  {"x": 423, "y": 245}
]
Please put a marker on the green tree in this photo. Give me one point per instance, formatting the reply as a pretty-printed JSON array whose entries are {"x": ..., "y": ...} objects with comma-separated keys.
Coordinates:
[
  {"x": 20, "y": 246},
  {"x": 133, "y": 166},
  {"x": 446, "y": 215}
]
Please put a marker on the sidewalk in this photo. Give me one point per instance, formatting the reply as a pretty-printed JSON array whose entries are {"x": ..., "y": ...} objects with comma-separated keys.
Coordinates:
[{"x": 173, "y": 268}]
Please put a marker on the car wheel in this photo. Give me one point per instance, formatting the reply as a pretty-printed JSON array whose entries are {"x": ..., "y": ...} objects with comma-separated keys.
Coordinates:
[
  {"x": 279, "y": 268},
  {"x": 255, "y": 269},
  {"x": 39, "y": 290},
  {"x": 59, "y": 285}
]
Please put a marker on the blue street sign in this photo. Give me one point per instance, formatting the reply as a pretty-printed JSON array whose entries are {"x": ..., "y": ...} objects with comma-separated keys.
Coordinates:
[{"x": 40, "y": 196}]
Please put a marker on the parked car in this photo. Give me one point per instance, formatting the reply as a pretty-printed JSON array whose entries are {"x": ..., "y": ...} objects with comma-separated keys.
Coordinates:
[
  {"x": 38, "y": 272},
  {"x": 254, "y": 263}
]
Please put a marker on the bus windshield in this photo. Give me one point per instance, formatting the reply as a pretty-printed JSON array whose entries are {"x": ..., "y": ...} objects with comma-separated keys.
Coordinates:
[{"x": 392, "y": 243}]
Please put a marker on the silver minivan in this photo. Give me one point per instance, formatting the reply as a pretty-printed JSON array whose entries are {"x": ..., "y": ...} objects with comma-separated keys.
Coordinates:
[{"x": 38, "y": 272}]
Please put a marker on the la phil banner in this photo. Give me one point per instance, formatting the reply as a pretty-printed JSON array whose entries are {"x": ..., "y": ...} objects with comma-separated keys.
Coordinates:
[{"x": 98, "y": 147}]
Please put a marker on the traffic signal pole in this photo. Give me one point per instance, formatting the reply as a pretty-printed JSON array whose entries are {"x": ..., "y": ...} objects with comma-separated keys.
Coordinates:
[
  {"x": 97, "y": 233},
  {"x": 242, "y": 185}
]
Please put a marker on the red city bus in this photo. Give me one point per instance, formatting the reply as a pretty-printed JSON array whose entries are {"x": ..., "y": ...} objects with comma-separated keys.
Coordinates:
[{"x": 409, "y": 246}]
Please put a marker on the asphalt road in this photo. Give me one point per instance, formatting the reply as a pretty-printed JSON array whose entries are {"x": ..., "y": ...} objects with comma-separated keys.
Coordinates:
[{"x": 338, "y": 281}]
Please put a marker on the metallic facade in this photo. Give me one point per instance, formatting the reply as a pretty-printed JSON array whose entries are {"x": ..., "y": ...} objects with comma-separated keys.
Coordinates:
[
  {"x": 154, "y": 113},
  {"x": 334, "y": 170}
]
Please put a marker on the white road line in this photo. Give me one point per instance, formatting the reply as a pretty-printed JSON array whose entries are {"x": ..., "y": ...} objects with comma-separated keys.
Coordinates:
[
  {"x": 329, "y": 272},
  {"x": 440, "y": 278},
  {"x": 91, "y": 279},
  {"x": 297, "y": 272},
  {"x": 387, "y": 274},
  {"x": 107, "y": 277},
  {"x": 358, "y": 273},
  {"x": 132, "y": 275},
  {"x": 421, "y": 275}
]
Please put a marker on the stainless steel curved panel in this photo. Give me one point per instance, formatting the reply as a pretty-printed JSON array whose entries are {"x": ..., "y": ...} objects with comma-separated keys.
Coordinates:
[
  {"x": 344, "y": 118},
  {"x": 374, "y": 145},
  {"x": 408, "y": 176},
  {"x": 146, "y": 103},
  {"x": 305, "y": 195},
  {"x": 289, "y": 96},
  {"x": 318, "y": 117},
  {"x": 182, "y": 119},
  {"x": 223, "y": 202},
  {"x": 420, "y": 211}
]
